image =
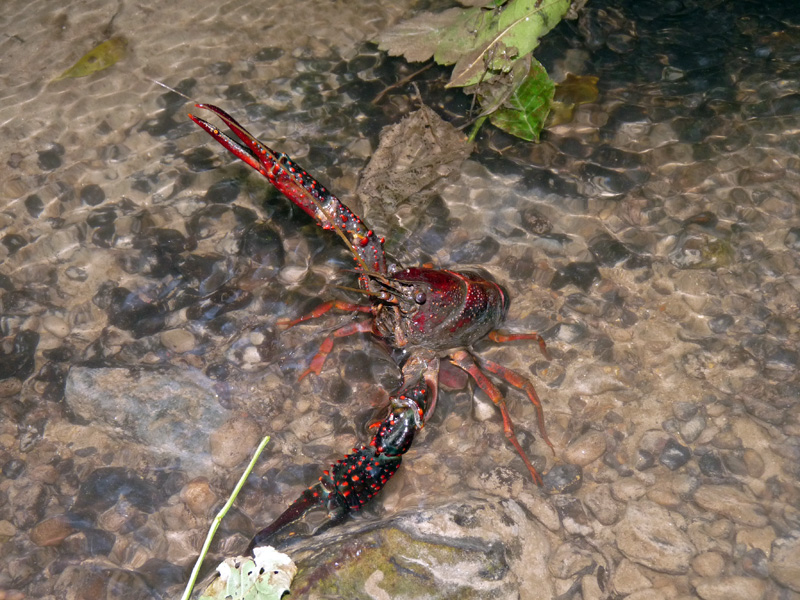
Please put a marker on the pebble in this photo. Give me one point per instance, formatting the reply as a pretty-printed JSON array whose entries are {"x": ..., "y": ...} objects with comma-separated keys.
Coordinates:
[
  {"x": 691, "y": 429},
  {"x": 593, "y": 379},
  {"x": 45, "y": 474},
  {"x": 784, "y": 564},
  {"x": 234, "y": 441},
  {"x": 650, "y": 535},
  {"x": 729, "y": 502},
  {"x": 627, "y": 489},
  {"x": 729, "y": 588},
  {"x": 51, "y": 531},
  {"x": 674, "y": 455},
  {"x": 7, "y": 530},
  {"x": 568, "y": 560},
  {"x": 628, "y": 578},
  {"x": 602, "y": 505},
  {"x": 56, "y": 325},
  {"x": 502, "y": 481},
  {"x": 649, "y": 594},
  {"x": 708, "y": 564},
  {"x": 178, "y": 340},
  {"x": 198, "y": 496},
  {"x": 586, "y": 449},
  {"x": 711, "y": 465},
  {"x": 759, "y": 538},
  {"x": 483, "y": 409}
]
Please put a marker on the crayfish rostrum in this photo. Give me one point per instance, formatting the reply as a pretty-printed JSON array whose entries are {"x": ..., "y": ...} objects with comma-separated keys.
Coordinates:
[{"x": 432, "y": 314}]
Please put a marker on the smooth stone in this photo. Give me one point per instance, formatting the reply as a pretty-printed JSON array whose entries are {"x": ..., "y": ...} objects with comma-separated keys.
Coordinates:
[
  {"x": 586, "y": 449},
  {"x": 51, "y": 531},
  {"x": 602, "y": 505},
  {"x": 169, "y": 410},
  {"x": 759, "y": 539},
  {"x": 784, "y": 565},
  {"x": 650, "y": 535},
  {"x": 753, "y": 462},
  {"x": 56, "y": 325},
  {"x": 729, "y": 502},
  {"x": 628, "y": 578},
  {"x": 708, "y": 564},
  {"x": 178, "y": 340},
  {"x": 198, "y": 496},
  {"x": 649, "y": 594},
  {"x": 729, "y": 588},
  {"x": 234, "y": 441},
  {"x": 7, "y": 530}
]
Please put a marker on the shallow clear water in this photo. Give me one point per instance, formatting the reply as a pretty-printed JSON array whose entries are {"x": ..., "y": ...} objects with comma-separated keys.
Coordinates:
[{"x": 653, "y": 239}]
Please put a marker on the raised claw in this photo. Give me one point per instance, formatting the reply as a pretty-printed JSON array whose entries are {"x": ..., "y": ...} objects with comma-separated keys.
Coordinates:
[{"x": 302, "y": 189}]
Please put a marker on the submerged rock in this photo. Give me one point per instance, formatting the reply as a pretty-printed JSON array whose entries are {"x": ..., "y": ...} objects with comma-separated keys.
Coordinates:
[
  {"x": 168, "y": 410},
  {"x": 476, "y": 548}
]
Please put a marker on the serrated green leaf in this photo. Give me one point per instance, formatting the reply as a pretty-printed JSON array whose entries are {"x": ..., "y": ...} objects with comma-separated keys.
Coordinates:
[
  {"x": 491, "y": 40},
  {"x": 98, "y": 58},
  {"x": 418, "y": 38},
  {"x": 464, "y": 35},
  {"x": 526, "y": 109}
]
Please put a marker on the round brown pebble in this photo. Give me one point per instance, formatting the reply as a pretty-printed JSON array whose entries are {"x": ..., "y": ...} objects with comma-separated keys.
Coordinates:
[
  {"x": 51, "y": 531},
  {"x": 198, "y": 496},
  {"x": 586, "y": 449},
  {"x": 708, "y": 564},
  {"x": 234, "y": 441}
]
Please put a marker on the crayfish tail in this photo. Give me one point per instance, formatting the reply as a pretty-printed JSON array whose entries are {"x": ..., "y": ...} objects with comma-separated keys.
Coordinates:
[
  {"x": 298, "y": 520},
  {"x": 346, "y": 486},
  {"x": 352, "y": 481}
]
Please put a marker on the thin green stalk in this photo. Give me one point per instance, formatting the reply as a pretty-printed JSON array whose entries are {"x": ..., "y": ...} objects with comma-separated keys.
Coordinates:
[
  {"x": 218, "y": 519},
  {"x": 474, "y": 133}
]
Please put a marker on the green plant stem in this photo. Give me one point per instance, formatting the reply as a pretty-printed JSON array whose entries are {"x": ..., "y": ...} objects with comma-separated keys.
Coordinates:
[
  {"x": 474, "y": 133},
  {"x": 218, "y": 519}
]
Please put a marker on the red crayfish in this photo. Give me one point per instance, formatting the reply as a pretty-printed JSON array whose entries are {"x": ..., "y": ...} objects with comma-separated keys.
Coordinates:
[{"x": 430, "y": 313}]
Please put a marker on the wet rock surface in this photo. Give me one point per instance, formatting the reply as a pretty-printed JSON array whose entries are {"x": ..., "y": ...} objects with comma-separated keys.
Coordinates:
[{"x": 653, "y": 240}]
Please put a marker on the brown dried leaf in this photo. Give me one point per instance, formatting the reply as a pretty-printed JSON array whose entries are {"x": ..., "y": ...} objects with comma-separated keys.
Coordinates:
[{"x": 413, "y": 157}]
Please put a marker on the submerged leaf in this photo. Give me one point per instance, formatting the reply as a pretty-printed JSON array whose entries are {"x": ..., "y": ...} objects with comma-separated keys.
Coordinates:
[
  {"x": 417, "y": 38},
  {"x": 525, "y": 111},
  {"x": 574, "y": 90},
  {"x": 98, "y": 58},
  {"x": 407, "y": 169},
  {"x": 577, "y": 89},
  {"x": 492, "y": 40},
  {"x": 267, "y": 576}
]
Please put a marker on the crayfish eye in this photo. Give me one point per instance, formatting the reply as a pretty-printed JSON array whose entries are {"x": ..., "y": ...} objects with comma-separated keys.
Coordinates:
[{"x": 420, "y": 297}]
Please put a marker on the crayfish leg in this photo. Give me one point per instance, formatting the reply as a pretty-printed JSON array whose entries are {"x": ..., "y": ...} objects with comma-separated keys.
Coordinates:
[
  {"x": 464, "y": 360},
  {"x": 327, "y": 345},
  {"x": 521, "y": 383},
  {"x": 323, "y": 309},
  {"x": 500, "y": 338}
]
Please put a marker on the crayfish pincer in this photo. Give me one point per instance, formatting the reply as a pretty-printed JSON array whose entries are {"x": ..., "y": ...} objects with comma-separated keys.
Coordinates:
[{"x": 432, "y": 314}]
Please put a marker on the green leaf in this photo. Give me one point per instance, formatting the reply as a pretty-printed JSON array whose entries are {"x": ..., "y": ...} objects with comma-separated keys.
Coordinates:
[
  {"x": 98, "y": 58},
  {"x": 526, "y": 109},
  {"x": 418, "y": 38},
  {"x": 492, "y": 40}
]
